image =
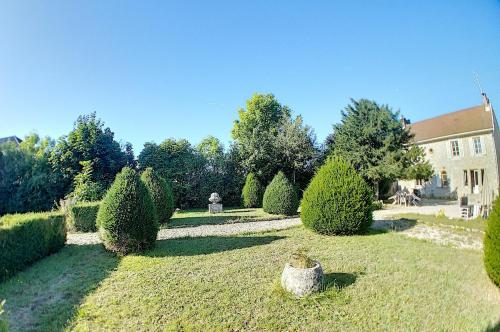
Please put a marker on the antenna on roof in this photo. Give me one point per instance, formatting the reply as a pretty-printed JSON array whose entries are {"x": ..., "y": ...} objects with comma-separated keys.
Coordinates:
[{"x": 476, "y": 77}]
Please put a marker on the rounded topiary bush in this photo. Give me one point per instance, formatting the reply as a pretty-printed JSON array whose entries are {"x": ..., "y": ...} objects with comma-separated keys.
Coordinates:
[
  {"x": 160, "y": 193},
  {"x": 280, "y": 196},
  {"x": 127, "y": 218},
  {"x": 492, "y": 244},
  {"x": 252, "y": 192},
  {"x": 337, "y": 201}
]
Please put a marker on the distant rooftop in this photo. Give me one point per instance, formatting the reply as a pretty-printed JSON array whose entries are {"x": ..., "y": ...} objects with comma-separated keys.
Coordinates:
[
  {"x": 14, "y": 139},
  {"x": 451, "y": 124}
]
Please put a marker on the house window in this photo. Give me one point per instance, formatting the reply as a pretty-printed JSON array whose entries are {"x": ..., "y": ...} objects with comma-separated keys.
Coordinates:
[
  {"x": 477, "y": 147},
  {"x": 466, "y": 178},
  {"x": 455, "y": 150},
  {"x": 444, "y": 179}
]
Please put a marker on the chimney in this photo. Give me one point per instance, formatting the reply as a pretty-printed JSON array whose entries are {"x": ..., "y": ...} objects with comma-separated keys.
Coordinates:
[
  {"x": 404, "y": 122},
  {"x": 486, "y": 102}
]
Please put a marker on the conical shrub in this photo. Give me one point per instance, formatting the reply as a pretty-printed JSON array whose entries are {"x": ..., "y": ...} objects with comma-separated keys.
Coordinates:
[
  {"x": 492, "y": 244},
  {"x": 337, "y": 201},
  {"x": 127, "y": 218},
  {"x": 280, "y": 196},
  {"x": 252, "y": 192},
  {"x": 160, "y": 193}
]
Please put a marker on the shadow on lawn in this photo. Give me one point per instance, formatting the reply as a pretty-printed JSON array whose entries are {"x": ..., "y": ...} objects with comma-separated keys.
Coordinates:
[
  {"x": 398, "y": 225},
  {"x": 218, "y": 219},
  {"x": 493, "y": 328},
  {"x": 339, "y": 280},
  {"x": 46, "y": 295},
  {"x": 207, "y": 245}
]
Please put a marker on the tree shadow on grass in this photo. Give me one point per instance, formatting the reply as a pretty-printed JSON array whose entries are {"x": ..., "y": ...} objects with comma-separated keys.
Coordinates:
[
  {"x": 339, "y": 280},
  {"x": 397, "y": 225},
  {"x": 218, "y": 219},
  {"x": 46, "y": 295},
  {"x": 207, "y": 245}
]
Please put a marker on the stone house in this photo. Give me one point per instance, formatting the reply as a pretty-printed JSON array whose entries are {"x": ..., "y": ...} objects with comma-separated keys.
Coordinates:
[
  {"x": 463, "y": 148},
  {"x": 14, "y": 139}
]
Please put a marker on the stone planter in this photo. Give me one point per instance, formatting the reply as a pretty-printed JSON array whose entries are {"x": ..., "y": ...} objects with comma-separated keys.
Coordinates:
[{"x": 302, "y": 282}]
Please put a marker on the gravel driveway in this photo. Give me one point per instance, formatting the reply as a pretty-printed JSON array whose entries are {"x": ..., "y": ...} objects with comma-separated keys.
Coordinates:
[{"x": 199, "y": 231}]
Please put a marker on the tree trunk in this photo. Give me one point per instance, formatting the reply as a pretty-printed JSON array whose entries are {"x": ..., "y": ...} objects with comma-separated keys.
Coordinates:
[{"x": 376, "y": 187}]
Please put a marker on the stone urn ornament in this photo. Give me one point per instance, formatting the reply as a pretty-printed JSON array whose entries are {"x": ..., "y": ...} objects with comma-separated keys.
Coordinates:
[
  {"x": 215, "y": 206},
  {"x": 302, "y": 276}
]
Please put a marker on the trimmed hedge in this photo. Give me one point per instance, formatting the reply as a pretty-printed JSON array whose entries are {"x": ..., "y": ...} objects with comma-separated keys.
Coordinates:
[
  {"x": 252, "y": 192},
  {"x": 25, "y": 238},
  {"x": 337, "y": 201},
  {"x": 280, "y": 196},
  {"x": 82, "y": 217},
  {"x": 127, "y": 217},
  {"x": 160, "y": 193},
  {"x": 492, "y": 244}
]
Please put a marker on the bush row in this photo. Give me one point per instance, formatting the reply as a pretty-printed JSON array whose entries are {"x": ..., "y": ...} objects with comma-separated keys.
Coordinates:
[
  {"x": 82, "y": 217},
  {"x": 25, "y": 238}
]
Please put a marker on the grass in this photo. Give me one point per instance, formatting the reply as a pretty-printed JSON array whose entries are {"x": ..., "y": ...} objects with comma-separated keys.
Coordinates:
[
  {"x": 198, "y": 217},
  {"x": 477, "y": 224},
  {"x": 375, "y": 282}
]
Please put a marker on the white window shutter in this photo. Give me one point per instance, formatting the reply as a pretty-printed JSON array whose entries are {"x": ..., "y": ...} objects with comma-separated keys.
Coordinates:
[{"x": 483, "y": 145}]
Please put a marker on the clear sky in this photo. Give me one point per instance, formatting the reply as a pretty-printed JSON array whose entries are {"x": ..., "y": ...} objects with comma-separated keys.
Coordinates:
[{"x": 157, "y": 69}]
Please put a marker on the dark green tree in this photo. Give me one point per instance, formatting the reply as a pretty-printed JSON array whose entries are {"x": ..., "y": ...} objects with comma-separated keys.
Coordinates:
[
  {"x": 252, "y": 192},
  {"x": 372, "y": 139},
  {"x": 127, "y": 217},
  {"x": 86, "y": 189},
  {"x": 161, "y": 194},
  {"x": 280, "y": 196},
  {"x": 90, "y": 141},
  {"x": 492, "y": 244}
]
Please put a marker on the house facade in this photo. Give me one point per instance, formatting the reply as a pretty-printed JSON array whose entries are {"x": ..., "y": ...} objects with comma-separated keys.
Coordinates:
[{"x": 463, "y": 148}]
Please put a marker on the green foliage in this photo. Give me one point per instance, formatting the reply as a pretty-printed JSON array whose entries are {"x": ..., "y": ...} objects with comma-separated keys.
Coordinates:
[
  {"x": 280, "y": 196},
  {"x": 82, "y": 217},
  {"x": 492, "y": 244},
  {"x": 415, "y": 167},
  {"x": 372, "y": 139},
  {"x": 27, "y": 182},
  {"x": 160, "y": 193},
  {"x": 337, "y": 201},
  {"x": 127, "y": 216},
  {"x": 269, "y": 140},
  {"x": 25, "y": 238},
  {"x": 196, "y": 172},
  {"x": 252, "y": 192},
  {"x": 377, "y": 205},
  {"x": 87, "y": 190},
  {"x": 90, "y": 141},
  {"x": 301, "y": 260}
]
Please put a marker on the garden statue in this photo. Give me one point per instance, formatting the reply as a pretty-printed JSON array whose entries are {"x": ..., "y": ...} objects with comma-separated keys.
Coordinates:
[{"x": 215, "y": 207}]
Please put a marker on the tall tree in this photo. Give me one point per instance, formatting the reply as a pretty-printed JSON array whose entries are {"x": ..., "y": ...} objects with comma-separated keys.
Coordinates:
[
  {"x": 269, "y": 139},
  {"x": 372, "y": 138},
  {"x": 90, "y": 141}
]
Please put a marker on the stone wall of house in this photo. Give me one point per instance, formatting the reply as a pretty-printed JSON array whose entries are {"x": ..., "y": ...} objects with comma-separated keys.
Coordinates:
[{"x": 439, "y": 153}]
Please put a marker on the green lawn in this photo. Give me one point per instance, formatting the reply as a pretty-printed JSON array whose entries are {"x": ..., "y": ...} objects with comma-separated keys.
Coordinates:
[
  {"x": 197, "y": 217},
  {"x": 375, "y": 282}
]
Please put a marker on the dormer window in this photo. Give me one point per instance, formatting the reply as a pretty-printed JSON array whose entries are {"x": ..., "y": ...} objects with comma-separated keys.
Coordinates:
[{"x": 455, "y": 149}]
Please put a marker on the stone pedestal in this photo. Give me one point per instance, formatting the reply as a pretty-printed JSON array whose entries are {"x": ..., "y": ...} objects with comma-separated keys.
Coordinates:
[
  {"x": 302, "y": 282},
  {"x": 215, "y": 208}
]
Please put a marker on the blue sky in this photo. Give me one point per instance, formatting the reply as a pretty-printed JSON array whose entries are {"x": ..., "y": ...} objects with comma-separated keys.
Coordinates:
[{"x": 157, "y": 69}]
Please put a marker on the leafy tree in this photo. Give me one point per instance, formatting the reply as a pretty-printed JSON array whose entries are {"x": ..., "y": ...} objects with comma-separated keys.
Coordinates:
[
  {"x": 269, "y": 139},
  {"x": 160, "y": 193},
  {"x": 372, "y": 139},
  {"x": 90, "y": 141},
  {"x": 27, "y": 182},
  {"x": 179, "y": 163},
  {"x": 415, "y": 166},
  {"x": 87, "y": 190}
]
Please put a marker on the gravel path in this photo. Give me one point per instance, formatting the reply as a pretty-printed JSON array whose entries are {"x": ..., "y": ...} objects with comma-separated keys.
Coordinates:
[
  {"x": 199, "y": 231},
  {"x": 444, "y": 235}
]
